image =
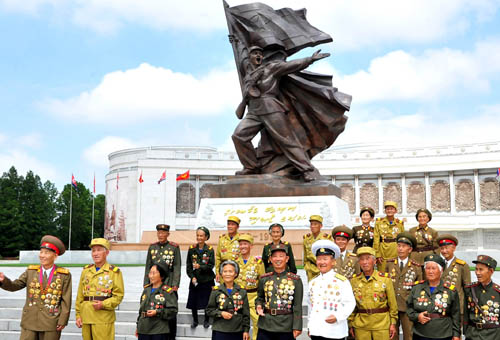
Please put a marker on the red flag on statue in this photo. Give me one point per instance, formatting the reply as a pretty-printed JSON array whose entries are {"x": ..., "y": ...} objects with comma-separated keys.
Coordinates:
[
  {"x": 183, "y": 176},
  {"x": 140, "y": 178},
  {"x": 163, "y": 177}
]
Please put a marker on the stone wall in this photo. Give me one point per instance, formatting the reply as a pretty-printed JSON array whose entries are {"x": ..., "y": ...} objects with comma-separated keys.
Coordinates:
[
  {"x": 490, "y": 194},
  {"x": 392, "y": 192},
  {"x": 348, "y": 195},
  {"x": 415, "y": 192},
  {"x": 186, "y": 199},
  {"x": 369, "y": 196},
  {"x": 440, "y": 196},
  {"x": 464, "y": 195}
]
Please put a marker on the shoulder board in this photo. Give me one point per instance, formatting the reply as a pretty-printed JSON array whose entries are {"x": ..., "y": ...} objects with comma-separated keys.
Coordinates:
[
  {"x": 114, "y": 268},
  {"x": 210, "y": 247},
  {"x": 293, "y": 276},
  {"x": 267, "y": 274},
  {"x": 286, "y": 242},
  {"x": 215, "y": 287},
  {"x": 352, "y": 254},
  {"x": 473, "y": 284},
  {"x": 258, "y": 259},
  {"x": 355, "y": 275},
  {"x": 325, "y": 235},
  {"x": 383, "y": 274},
  {"x": 173, "y": 244},
  {"x": 397, "y": 220},
  {"x": 379, "y": 219},
  {"x": 89, "y": 266},
  {"x": 61, "y": 270},
  {"x": 340, "y": 277},
  {"x": 462, "y": 262},
  {"x": 419, "y": 282},
  {"x": 415, "y": 263},
  {"x": 268, "y": 244},
  {"x": 223, "y": 235},
  {"x": 496, "y": 287},
  {"x": 146, "y": 286},
  {"x": 394, "y": 259},
  {"x": 34, "y": 267},
  {"x": 191, "y": 246},
  {"x": 449, "y": 286},
  {"x": 167, "y": 289}
]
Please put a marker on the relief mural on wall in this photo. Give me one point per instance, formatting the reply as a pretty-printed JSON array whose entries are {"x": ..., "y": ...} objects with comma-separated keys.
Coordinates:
[
  {"x": 347, "y": 194},
  {"x": 392, "y": 192},
  {"x": 490, "y": 194},
  {"x": 464, "y": 195},
  {"x": 415, "y": 196},
  {"x": 440, "y": 196},
  {"x": 369, "y": 196},
  {"x": 186, "y": 199}
]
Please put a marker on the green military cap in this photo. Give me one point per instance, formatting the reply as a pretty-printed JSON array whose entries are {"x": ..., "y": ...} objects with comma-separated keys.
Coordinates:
[
  {"x": 370, "y": 211},
  {"x": 316, "y": 218},
  {"x": 486, "y": 260},
  {"x": 100, "y": 242},
  {"x": 435, "y": 258},
  {"x": 343, "y": 231},
  {"x": 245, "y": 237},
  {"x": 52, "y": 243},
  {"x": 277, "y": 225},
  {"x": 278, "y": 247},
  {"x": 408, "y": 238},
  {"x": 390, "y": 204},
  {"x": 365, "y": 250},
  {"x": 164, "y": 227},
  {"x": 234, "y": 219},
  {"x": 426, "y": 211},
  {"x": 205, "y": 230},
  {"x": 446, "y": 239}
]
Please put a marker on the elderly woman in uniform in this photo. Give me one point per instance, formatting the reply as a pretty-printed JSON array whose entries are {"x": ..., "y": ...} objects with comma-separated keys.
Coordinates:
[
  {"x": 158, "y": 304},
  {"x": 276, "y": 231},
  {"x": 200, "y": 262},
  {"x": 363, "y": 234},
  {"x": 228, "y": 306},
  {"x": 425, "y": 235},
  {"x": 434, "y": 306}
]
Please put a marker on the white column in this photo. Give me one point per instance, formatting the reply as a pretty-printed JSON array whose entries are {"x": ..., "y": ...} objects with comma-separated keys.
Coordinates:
[
  {"x": 380, "y": 195},
  {"x": 170, "y": 198},
  {"x": 403, "y": 193},
  {"x": 357, "y": 196},
  {"x": 477, "y": 191},
  {"x": 333, "y": 180},
  {"x": 427, "y": 192},
  {"x": 452, "y": 193},
  {"x": 138, "y": 220},
  {"x": 196, "y": 194}
]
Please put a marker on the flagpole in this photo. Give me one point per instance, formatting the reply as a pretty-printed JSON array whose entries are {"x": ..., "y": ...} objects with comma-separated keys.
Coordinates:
[
  {"x": 93, "y": 205},
  {"x": 70, "y": 212},
  {"x": 140, "y": 210},
  {"x": 164, "y": 198}
]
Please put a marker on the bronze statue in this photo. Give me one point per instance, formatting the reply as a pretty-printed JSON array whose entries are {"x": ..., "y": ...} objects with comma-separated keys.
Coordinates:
[{"x": 298, "y": 113}]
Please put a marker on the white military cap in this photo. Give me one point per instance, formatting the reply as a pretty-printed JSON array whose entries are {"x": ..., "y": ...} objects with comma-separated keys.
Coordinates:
[{"x": 325, "y": 247}]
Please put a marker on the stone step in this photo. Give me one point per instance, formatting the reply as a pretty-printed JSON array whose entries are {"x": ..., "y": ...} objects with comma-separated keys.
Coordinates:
[{"x": 9, "y": 335}]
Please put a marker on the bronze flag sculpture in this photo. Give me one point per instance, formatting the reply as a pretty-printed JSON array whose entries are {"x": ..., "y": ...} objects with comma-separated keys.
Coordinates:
[{"x": 298, "y": 113}]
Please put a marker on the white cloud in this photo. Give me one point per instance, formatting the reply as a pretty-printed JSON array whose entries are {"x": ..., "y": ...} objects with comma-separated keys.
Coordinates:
[
  {"x": 33, "y": 140},
  {"x": 97, "y": 154},
  {"x": 150, "y": 92},
  {"x": 23, "y": 162}
]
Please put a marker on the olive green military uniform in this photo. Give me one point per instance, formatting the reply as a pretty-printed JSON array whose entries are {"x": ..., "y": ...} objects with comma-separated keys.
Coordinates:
[
  {"x": 482, "y": 311},
  {"x": 363, "y": 237},
  {"x": 266, "y": 255},
  {"x": 164, "y": 301},
  {"x": 457, "y": 274},
  {"x": 426, "y": 243},
  {"x": 376, "y": 306},
  {"x": 403, "y": 281},
  {"x": 442, "y": 306},
  {"x": 169, "y": 254},
  {"x": 347, "y": 265},
  {"x": 236, "y": 303},
  {"x": 227, "y": 249},
  {"x": 280, "y": 296},
  {"x": 309, "y": 258},
  {"x": 206, "y": 260},
  {"x": 48, "y": 302},
  {"x": 104, "y": 285},
  {"x": 384, "y": 239},
  {"x": 248, "y": 279}
]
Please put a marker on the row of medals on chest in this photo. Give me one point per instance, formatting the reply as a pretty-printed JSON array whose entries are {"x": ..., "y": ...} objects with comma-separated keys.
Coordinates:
[
  {"x": 235, "y": 248},
  {"x": 204, "y": 258},
  {"x": 377, "y": 296},
  {"x": 451, "y": 277},
  {"x": 328, "y": 296},
  {"x": 408, "y": 280},
  {"x": 165, "y": 255},
  {"x": 283, "y": 291},
  {"x": 50, "y": 295},
  {"x": 157, "y": 302},
  {"x": 440, "y": 301},
  {"x": 103, "y": 288},
  {"x": 237, "y": 302},
  {"x": 364, "y": 235},
  {"x": 489, "y": 312},
  {"x": 348, "y": 269}
]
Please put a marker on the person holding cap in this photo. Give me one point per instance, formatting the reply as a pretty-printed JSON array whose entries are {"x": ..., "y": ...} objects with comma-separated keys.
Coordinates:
[
  {"x": 346, "y": 263},
  {"x": 426, "y": 236},
  {"x": 481, "y": 317},
  {"x": 48, "y": 293},
  {"x": 384, "y": 234},
  {"x": 363, "y": 234},
  {"x": 251, "y": 269},
  {"x": 316, "y": 223},
  {"x": 376, "y": 312},
  {"x": 433, "y": 305},
  {"x": 279, "y": 300},
  {"x": 404, "y": 272},
  {"x": 456, "y": 272},
  {"x": 100, "y": 291},
  {"x": 228, "y": 247},
  {"x": 277, "y": 231},
  {"x": 200, "y": 262},
  {"x": 330, "y": 296},
  {"x": 228, "y": 306}
]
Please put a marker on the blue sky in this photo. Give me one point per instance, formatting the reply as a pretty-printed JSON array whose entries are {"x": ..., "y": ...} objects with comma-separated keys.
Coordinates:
[{"x": 80, "y": 79}]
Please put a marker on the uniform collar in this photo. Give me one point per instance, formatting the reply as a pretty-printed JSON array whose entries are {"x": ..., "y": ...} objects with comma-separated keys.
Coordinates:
[
  {"x": 405, "y": 261},
  {"x": 105, "y": 267},
  {"x": 328, "y": 274},
  {"x": 223, "y": 288},
  {"x": 425, "y": 227}
]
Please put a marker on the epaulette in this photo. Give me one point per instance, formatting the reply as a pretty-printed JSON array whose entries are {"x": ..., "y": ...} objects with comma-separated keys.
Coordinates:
[
  {"x": 215, "y": 287},
  {"x": 167, "y": 289},
  {"x": 340, "y": 277},
  {"x": 307, "y": 235},
  {"x": 496, "y": 287},
  {"x": 223, "y": 235},
  {"x": 352, "y": 254},
  {"x": 394, "y": 259},
  {"x": 293, "y": 276},
  {"x": 34, "y": 267},
  {"x": 210, "y": 247},
  {"x": 383, "y": 274},
  {"x": 449, "y": 286},
  {"x": 397, "y": 220},
  {"x": 325, "y": 235},
  {"x": 266, "y": 274},
  {"x": 354, "y": 276},
  {"x": 114, "y": 268},
  {"x": 89, "y": 266},
  {"x": 259, "y": 259},
  {"x": 191, "y": 246},
  {"x": 269, "y": 243},
  {"x": 379, "y": 219},
  {"x": 462, "y": 262},
  {"x": 419, "y": 282},
  {"x": 173, "y": 244},
  {"x": 286, "y": 242},
  {"x": 146, "y": 286},
  {"x": 415, "y": 263},
  {"x": 473, "y": 284},
  {"x": 60, "y": 270}
]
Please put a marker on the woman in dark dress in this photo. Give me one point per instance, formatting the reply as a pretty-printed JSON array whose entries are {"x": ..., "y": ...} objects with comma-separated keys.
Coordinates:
[
  {"x": 200, "y": 263},
  {"x": 363, "y": 234}
]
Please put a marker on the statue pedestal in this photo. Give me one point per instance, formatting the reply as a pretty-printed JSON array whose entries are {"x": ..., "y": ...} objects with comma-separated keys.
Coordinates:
[{"x": 261, "y": 200}]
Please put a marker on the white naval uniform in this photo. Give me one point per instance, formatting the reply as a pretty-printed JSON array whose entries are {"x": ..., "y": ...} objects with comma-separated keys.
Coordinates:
[{"x": 329, "y": 294}]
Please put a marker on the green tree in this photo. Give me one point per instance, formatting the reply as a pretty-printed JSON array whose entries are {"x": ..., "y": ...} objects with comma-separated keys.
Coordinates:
[
  {"x": 11, "y": 231},
  {"x": 99, "y": 211}
]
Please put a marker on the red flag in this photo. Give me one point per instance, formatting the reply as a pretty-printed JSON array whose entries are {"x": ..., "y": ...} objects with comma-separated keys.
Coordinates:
[
  {"x": 117, "y": 180},
  {"x": 73, "y": 181},
  {"x": 163, "y": 177},
  {"x": 183, "y": 176},
  {"x": 140, "y": 178},
  {"x": 94, "y": 182}
]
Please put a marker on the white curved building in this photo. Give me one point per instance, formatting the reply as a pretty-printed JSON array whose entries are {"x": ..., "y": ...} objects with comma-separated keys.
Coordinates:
[{"x": 458, "y": 183}]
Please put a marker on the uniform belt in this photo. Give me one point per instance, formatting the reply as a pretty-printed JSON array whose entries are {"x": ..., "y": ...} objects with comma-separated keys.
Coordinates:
[
  {"x": 95, "y": 298},
  {"x": 251, "y": 290},
  {"x": 388, "y": 240},
  {"x": 437, "y": 316},
  {"x": 278, "y": 311},
  {"x": 486, "y": 325},
  {"x": 421, "y": 249},
  {"x": 373, "y": 310}
]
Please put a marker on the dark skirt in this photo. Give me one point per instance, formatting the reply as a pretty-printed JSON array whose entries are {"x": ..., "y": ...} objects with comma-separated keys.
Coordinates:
[
  {"x": 199, "y": 295},
  {"x": 227, "y": 335}
]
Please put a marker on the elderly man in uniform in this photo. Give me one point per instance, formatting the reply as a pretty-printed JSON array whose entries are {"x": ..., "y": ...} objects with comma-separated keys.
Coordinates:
[
  {"x": 482, "y": 303},
  {"x": 404, "y": 272},
  {"x": 376, "y": 312},
  {"x": 346, "y": 263},
  {"x": 169, "y": 254},
  {"x": 277, "y": 231},
  {"x": 279, "y": 300},
  {"x": 330, "y": 296},
  {"x": 384, "y": 235},
  {"x": 228, "y": 247},
  {"x": 100, "y": 291},
  {"x": 456, "y": 271},
  {"x": 48, "y": 293},
  {"x": 316, "y": 223},
  {"x": 251, "y": 269}
]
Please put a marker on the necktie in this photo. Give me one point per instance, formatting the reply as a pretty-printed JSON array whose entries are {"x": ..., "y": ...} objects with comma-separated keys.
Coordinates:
[
  {"x": 401, "y": 265},
  {"x": 45, "y": 277}
]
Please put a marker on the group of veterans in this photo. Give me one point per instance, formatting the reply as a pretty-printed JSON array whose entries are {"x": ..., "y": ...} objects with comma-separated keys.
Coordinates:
[{"x": 393, "y": 278}]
